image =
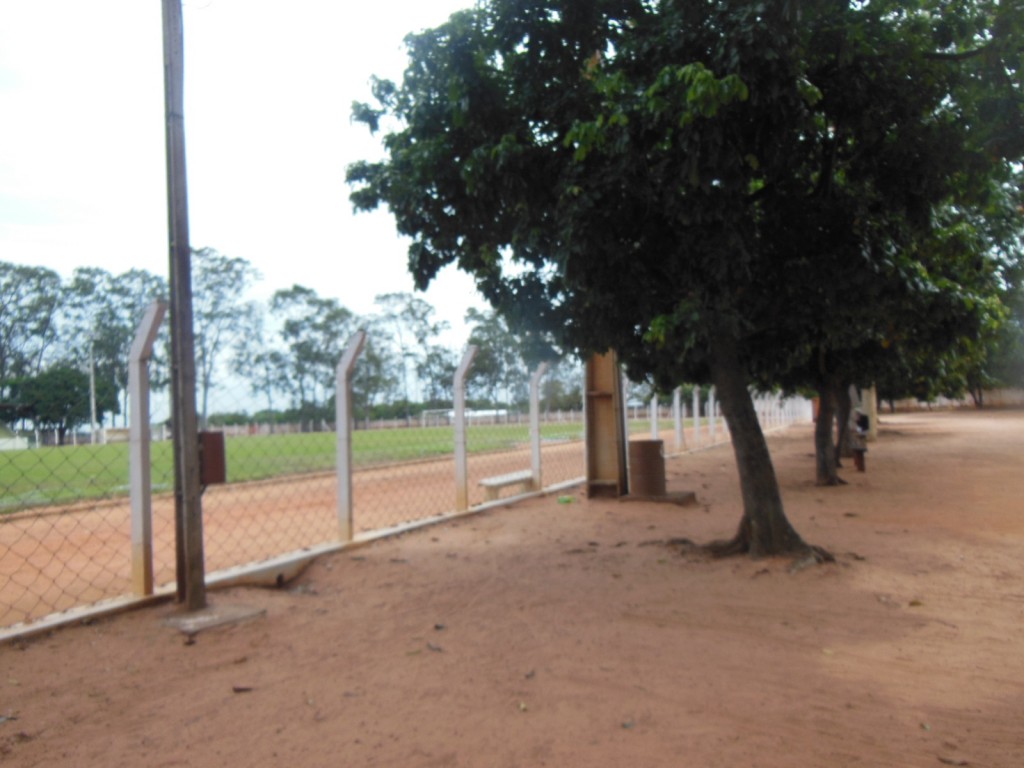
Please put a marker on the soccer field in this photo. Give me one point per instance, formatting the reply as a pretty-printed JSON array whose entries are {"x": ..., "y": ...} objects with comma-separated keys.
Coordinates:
[{"x": 75, "y": 473}]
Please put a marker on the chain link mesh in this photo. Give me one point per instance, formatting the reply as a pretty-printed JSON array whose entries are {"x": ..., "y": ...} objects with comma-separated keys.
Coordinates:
[
  {"x": 65, "y": 536},
  {"x": 65, "y": 513}
]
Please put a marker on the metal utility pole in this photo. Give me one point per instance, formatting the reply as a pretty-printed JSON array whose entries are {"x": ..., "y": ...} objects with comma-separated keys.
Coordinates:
[{"x": 188, "y": 512}]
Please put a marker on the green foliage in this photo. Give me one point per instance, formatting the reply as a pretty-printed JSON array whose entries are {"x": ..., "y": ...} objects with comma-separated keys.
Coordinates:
[
  {"x": 651, "y": 176},
  {"x": 499, "y": 373},
  {"x": 29, "y": 300},
  {"x": 59, "y": 398},
  {"x": 218, "y": 312},
  {"x": 409, "y": 333},
  {"x": 314, "y": 330},
  {"x": 736, "y": 192},
  {"x": 99, "y": 318}
]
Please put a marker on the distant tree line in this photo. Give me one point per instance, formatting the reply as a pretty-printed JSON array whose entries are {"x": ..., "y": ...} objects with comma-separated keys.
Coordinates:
[{"x": 61, "y": 340}]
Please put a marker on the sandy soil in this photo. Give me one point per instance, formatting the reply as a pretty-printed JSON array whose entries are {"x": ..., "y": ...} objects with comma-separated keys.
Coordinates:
[
  {"x": 570, "y": 634},
  {"x": 55, "y": 559}
]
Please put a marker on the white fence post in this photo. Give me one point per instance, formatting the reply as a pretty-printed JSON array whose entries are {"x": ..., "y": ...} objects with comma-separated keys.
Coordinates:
[
  {"x": 140, "y": 470},
  {"x": 712, "y": 415},
  {"x": 679, "y": 416},
  {"x": 654, "y": 417},
  {"x": 461, "y": 458},
  {"x": 535, "y": 424},
  {"x": 696, "y": 416},
  {"x": 343, "y": 430}
]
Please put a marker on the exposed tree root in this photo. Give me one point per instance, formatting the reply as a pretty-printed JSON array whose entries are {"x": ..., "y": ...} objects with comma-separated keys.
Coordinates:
[
  {"x": 741, "y": 544},
  {"x": 737, "y": 545},
  {"x": 814, "y": 556},
  {"x": 830, "y": 482}
]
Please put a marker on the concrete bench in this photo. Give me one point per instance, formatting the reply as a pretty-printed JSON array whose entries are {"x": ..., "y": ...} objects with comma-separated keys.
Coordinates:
[{"x": 492, "y": 485}]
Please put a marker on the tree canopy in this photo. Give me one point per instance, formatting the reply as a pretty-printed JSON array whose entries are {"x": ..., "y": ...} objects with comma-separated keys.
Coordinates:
[
  {"x": 733, "y": 192},
  {"x": 58, "y": 398}
]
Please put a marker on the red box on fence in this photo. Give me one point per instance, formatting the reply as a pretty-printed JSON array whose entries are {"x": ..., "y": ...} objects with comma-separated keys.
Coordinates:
[{"x": 213, "y": 467}]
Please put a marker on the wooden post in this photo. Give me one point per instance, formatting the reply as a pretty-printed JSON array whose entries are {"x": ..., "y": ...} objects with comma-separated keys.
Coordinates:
[
  {"x": 605, "y": 428},
  {"x": 188, "y": 513}
]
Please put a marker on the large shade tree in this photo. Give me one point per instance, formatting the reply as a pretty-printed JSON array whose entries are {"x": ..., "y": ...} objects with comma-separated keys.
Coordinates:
[{"x": 613, "y": 173}]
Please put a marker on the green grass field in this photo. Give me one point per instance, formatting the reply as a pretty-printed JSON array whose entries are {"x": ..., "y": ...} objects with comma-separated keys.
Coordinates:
[{"x": 72, "y": 473}]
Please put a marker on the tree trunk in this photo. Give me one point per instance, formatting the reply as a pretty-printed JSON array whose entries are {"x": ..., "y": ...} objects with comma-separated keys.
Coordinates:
[
  {"x": 824, "y": 449},
  {"x": 764, "y": 528},
  {"x": 844, "y": 404}
]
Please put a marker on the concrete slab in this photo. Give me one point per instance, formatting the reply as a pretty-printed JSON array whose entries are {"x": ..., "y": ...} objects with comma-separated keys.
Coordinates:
[{"x": 214, "y": 616}]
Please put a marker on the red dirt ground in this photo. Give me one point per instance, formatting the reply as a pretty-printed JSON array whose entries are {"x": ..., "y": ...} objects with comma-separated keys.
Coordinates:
[
  {"x": 65, "y": 557},
  {"x": 571, "y": 634}
]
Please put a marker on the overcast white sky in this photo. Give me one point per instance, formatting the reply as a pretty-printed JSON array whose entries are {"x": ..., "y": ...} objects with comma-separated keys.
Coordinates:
[{"x": 269, "y": 86}]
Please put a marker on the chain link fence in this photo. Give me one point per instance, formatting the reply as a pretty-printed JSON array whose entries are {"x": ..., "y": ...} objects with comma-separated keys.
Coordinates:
[
  {"x": 69, "y": 537},
  {"x": 86, "y": 518},
  {"x": 63, "y": 521}
]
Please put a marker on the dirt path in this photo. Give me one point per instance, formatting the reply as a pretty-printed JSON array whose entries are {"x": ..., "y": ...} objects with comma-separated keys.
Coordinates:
[{"x": 569, "y": 634}]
